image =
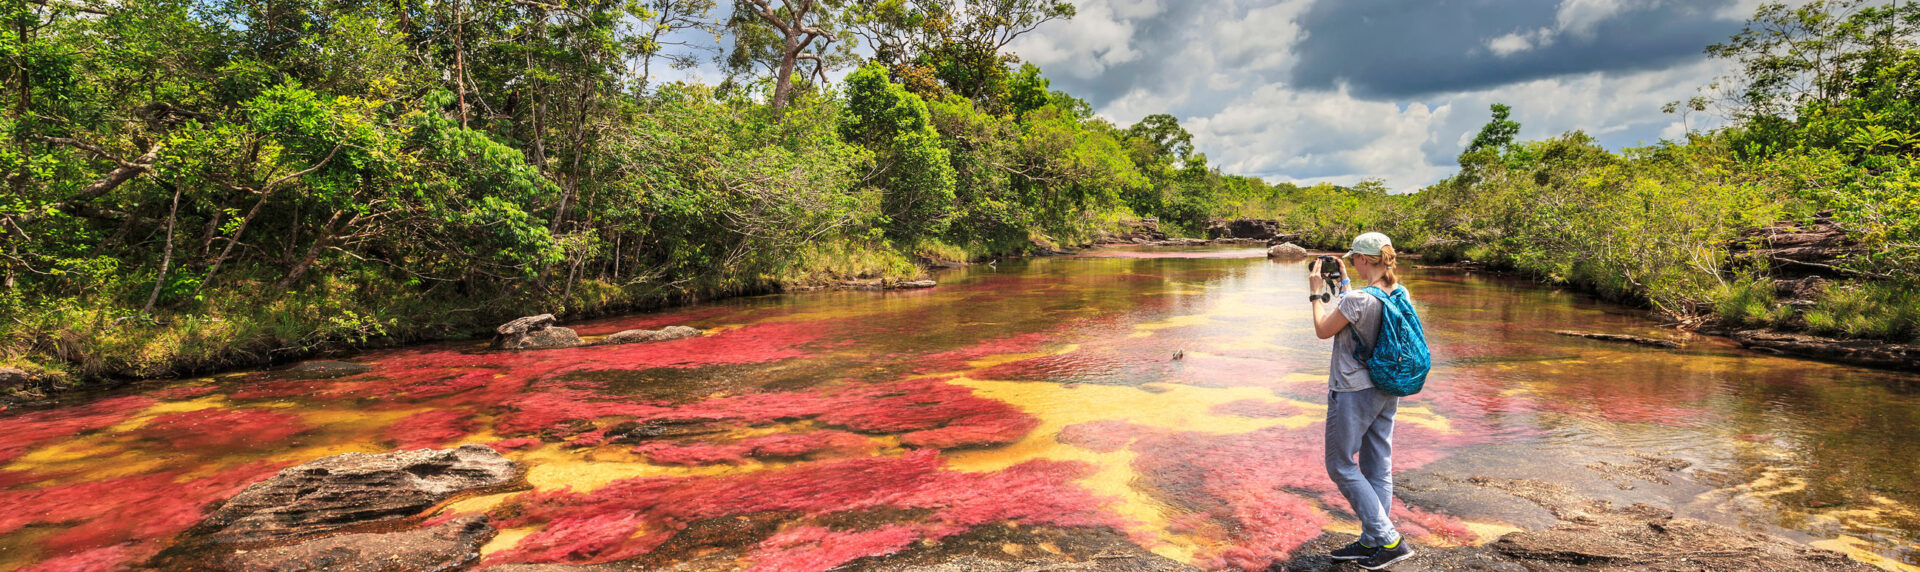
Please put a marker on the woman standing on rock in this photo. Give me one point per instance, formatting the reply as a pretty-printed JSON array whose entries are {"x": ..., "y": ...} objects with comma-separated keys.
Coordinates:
[{"x": 1379, "y": 355}]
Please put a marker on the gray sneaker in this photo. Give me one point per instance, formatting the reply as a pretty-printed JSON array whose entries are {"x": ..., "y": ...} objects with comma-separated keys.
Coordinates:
[
  {"x": 1354, "y": 551},
  {"x": 1387, "y": 555}
]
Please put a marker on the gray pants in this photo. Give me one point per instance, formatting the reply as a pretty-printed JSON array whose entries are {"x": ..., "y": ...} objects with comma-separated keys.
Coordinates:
[{"x": 1362, "y": 422}]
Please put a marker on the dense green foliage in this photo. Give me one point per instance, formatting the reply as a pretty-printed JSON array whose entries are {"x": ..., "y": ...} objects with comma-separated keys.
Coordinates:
[
  {"x": 1826, "y": 118},
  {"x": 192, "y": 184}
]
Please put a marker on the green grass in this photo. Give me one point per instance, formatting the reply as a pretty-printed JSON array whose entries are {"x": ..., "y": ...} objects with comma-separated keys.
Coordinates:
[{"x": 1870, "y": 310}]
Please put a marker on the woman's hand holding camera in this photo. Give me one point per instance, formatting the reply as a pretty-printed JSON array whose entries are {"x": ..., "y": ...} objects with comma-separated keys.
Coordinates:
[{"x": 1316, "y": 283}]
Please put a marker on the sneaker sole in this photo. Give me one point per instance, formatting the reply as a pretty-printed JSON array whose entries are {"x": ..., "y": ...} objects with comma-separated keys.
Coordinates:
[
  {"x": 1409, "y": 554},
  {"x": 1346, "y": 558}
]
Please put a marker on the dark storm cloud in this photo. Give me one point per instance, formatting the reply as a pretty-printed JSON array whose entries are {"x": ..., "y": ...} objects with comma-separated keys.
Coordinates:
[{"x": 1397, "y": 49}]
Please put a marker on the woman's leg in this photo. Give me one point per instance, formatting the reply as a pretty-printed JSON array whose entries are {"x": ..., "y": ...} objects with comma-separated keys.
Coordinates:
[
  {"x": 1350, "y": 417},
  {"x": 1376, "y": 458}
]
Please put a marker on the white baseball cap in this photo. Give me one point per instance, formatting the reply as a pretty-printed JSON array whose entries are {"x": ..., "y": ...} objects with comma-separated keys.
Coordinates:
[{"x": 1368, "y": 244}]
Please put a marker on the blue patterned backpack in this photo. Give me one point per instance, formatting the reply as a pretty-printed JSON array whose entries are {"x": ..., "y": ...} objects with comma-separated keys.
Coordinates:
[{"x": 1399, "y": 361}]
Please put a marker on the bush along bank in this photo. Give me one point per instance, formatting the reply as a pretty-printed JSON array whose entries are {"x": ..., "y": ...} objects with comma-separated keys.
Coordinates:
[
  {"x": 200, "y": 185},
  {"x": 1801, "y": 215}
]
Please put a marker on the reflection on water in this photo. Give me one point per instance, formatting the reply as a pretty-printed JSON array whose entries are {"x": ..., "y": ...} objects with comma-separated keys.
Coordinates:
[{"x": 1041, "y": 393}]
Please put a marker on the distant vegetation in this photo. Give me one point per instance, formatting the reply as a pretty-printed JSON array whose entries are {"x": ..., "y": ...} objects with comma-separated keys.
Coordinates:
[
  {"x": 196, "y": 184},
  {"x": 1825, "y": 116}
]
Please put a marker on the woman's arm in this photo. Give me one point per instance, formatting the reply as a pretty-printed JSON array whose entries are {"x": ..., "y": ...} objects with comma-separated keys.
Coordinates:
[{"x": 1326, "y": 324}]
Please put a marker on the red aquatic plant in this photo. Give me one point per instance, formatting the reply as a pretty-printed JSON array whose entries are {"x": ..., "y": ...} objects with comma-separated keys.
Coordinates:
[
  {"x": 107, "y": 513},
  {"x": 19, "y": 433},
  {"x": 515, "y": 444},
  {"x": 430, "y": 429},
  {"x": 1035, "y": 492},
  {"x": 222, "y": 429},
  {"x": 817, "y": 549},
  {"x": 1102, "y": 436},
  {"x": 103, "y": 559},
  {"x": 780, "y": 445},
  {"x": 182, "y": 392}
]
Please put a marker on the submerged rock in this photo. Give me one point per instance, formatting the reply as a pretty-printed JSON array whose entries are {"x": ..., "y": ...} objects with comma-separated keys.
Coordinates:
[
  {"x": 660, "y": 335},
  {"x": 324, "y": 369},
  {"x": 1287, "y": 250},
  {"x": 534, "y": 332},
  {"x": 1623, "y": 338},
  {"x": 1868, "y": 353},
  {"x": 453, "y": 544},
  {"x": 351, "y": 489}
]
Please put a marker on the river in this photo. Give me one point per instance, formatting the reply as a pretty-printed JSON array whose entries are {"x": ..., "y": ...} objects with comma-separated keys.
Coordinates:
[{"x": 1029, "y": 395}]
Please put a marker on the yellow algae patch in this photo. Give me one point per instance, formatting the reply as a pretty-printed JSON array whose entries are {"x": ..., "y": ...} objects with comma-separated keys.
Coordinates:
[
  {"x": 476, "y": 505},
  {"x": 1174, "y": 322},
  {"x": 1859, "y": 549},
  {"x": 158, "y": 409},
  {"x": 1424, "y": 417},
  {"x": 1299, "y": 377},
  {"x": 1489, "y": 531},
  {"x": 506, "y": 539},
  {"x": 1180, "y": 407},
  {"x": 551, "y": 468}
]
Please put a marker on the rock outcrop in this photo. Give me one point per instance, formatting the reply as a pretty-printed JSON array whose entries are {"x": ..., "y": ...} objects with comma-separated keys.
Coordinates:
[
  {"x": 1145, "y": 230},
  {"x": 351, "y": 489},
  {"x": 660, "y": 335},
  {"x": 451, "y": 545},
  {"x": 1856, "y": 352},
  {"x": 1287, "y": 250},
  {"x": 324, "y": 369},
  {"x": 534, "y": 332},
  {"x": 1622, "y": 338},
  {"x": 1249, "y": 228}
]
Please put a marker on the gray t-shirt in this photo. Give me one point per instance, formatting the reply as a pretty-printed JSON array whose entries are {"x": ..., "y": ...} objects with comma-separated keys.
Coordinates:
[{"x": 1363, "y": 315}]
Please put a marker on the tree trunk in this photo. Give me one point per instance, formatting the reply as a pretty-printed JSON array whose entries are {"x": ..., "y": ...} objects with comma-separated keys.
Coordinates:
[
  {"x": 313, "y": 252},
  {"x": 166, "y": 259},
  {"x": 459, "y": 63},
  {"x": 228, "y": 249}
]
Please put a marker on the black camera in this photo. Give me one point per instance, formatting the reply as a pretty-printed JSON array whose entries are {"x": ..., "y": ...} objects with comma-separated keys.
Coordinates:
[{"x": 1331, "y": 271}]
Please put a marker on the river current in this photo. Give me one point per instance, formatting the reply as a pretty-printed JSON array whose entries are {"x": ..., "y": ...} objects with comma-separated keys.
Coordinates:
[{"x": 1173, "y": 397}]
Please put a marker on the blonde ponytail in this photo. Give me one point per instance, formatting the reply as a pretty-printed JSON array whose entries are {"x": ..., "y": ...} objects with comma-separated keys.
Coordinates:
[{"x": 1385, "y": 259}]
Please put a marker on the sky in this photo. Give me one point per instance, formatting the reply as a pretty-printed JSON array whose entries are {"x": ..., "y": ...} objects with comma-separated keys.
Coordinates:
[{"x": 1339, "y": 91}]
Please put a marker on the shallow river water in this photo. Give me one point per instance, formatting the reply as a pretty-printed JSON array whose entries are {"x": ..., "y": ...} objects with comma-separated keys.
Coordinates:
[{"x": 1040, "y": 394}]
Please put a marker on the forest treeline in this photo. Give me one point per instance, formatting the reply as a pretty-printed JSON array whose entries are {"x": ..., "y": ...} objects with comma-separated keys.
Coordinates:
[
  {"x": 195, "y": 184},
  {"x": 1823, "y": 133}
]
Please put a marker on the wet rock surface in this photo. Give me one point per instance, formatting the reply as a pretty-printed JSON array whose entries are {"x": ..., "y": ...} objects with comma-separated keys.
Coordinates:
[
  {"x": 1257, "y": 229},
  {"x": 324, "y": 369},
  {"x": 352, "y": 489},
  {"x": 912, "y": 285},
  {"x": 1622, "y": 338},
  {"x": 1006, "y": 548},
  {"x": 1287, "y": 250},
  {"x": 449, "y": 546},
  {"x": 660, "y": 335},
  {"x": 1856, "y": 352},
  {"x": 534, "y": 332}
]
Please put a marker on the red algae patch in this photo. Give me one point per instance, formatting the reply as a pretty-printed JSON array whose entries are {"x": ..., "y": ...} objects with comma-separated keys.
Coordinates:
[
  {"x": 430, "y": 429},
  {"x": 116, "y": 522},
  {"x": 102, "y": 559},
  {"x": 781, "y": 445},
  {"x": 817, "y": 549},
  {"x": 631, "y": 516},
  {"x": 22, "y": 432},
  {"x": 222, "y": 429}
]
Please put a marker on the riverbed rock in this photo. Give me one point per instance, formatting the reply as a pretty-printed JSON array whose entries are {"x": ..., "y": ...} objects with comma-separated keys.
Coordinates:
[
  {"x": 451, "y": 545},
  {"x": 1790, "y": 249},
  {"x": 1645, "y": 538},
  {"x": 660, "y": 335},
  {"x": 534, "y": 332},
  {"x": 1868, "y": 353},
  {"x": 912, "y": 284},
  {"x": 324, "y": 369},
  {"x": 1287, "y": 250},
  {"x": 1253, "y": 228},
  {"x": 351, "y": 489},
  {"x": 1622, "y": 338}
]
